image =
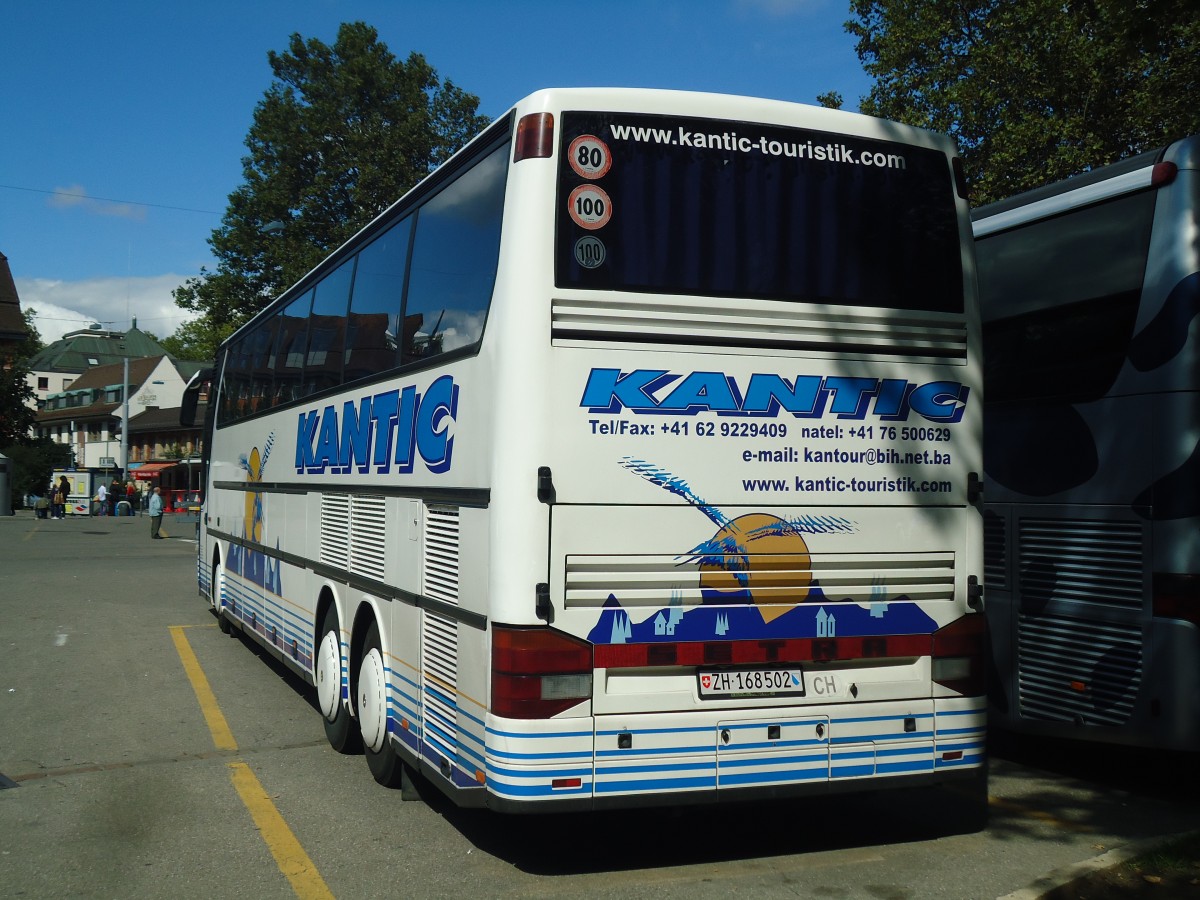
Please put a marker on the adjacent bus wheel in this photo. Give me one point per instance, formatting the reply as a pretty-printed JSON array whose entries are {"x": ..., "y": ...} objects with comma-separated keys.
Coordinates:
[
  {"x": 371, "y": 695},
  {"x": 339, "y": 728},
  {"x": 217, "y": 589}
]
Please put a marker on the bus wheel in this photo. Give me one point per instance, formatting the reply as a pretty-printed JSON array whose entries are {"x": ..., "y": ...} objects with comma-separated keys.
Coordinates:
[
  {"x": 330, "y": 667},
  {"x": 371, "y": 695},
  {"x": 217, "y": 588}
]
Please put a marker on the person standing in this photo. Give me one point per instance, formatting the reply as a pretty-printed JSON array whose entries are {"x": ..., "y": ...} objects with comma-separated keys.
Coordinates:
[
  {"x": 114, "y": 494},
  {"x": 62, "y": 496},
  {"x": 156, "y": 513},
  {"x": 102, "y": 500}
]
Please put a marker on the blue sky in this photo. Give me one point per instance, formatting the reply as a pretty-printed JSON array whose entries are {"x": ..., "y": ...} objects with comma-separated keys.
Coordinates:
[{"x": 123, "y": 121}]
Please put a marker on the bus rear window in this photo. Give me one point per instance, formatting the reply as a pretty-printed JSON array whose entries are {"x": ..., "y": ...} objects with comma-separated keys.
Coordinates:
[{"x": 738, "y": 209}]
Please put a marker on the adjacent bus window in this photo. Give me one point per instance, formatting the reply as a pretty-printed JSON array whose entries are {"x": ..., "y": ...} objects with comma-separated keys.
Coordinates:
[
  {"x": 454, "y": 260},
  {"x": 1060, "y": 298}
]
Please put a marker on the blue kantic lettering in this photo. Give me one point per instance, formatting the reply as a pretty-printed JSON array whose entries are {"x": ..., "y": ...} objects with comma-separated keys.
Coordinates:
[
  {"x": 387, "y": 431},
  {"x": 658, "y": 392}
]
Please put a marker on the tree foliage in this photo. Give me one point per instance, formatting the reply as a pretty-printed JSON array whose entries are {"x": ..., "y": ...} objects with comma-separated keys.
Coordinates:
[
  {"x": 17, "y": 417},
  {"x": 342, "y": 132},
  {"x": 34, "y": 461},
  {"x": 1034, "y": 90},
  {"x": 197, "y": 340}
]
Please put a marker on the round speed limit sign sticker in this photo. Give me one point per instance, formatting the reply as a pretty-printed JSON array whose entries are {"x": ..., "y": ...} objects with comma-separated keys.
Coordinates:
[
  {"x": 590, "y": 207},
  {"x": 590, "y": 156}
]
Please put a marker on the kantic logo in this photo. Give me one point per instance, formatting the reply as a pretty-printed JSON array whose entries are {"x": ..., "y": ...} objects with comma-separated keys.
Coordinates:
[
  {"x": 389, "y": 431},
  {"x": 659, "y": 392}
]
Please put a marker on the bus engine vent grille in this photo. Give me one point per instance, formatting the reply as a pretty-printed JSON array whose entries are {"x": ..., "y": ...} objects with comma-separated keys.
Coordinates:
[
  {"x": 756, "y": 326},
  {"x": 368, "y": 529},
  {"x": 1094, "y": 562},
  {"x": 335, "y": 530},
  {"x": 1076, "y": 669},
  {"x": 441, "y": 554},
  {"x": 439, "y": 634},
  {"x": 782, "y": 578}
]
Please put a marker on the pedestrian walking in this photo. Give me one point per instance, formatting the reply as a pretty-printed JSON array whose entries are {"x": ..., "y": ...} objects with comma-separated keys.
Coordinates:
[{"x": 156, "y": 513}]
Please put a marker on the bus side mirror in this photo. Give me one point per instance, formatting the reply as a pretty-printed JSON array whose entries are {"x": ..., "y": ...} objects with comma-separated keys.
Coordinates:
[{"x": 191, "y": 396}]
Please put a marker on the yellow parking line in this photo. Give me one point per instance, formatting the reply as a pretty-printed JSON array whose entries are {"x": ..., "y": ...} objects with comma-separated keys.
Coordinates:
[
  {"x": 293, "y": 862},
  {"x": 289, "y": 855},
  {"x": 217, "y": 726}
]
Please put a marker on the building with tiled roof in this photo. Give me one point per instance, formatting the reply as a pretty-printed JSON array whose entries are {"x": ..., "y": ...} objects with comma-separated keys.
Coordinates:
[
  {"x": 87, "y": 415},
  {"x": 58, "y": 365}
]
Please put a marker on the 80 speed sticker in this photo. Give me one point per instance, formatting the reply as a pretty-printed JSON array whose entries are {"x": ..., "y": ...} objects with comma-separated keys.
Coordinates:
[{"x": 590, "y": 156}]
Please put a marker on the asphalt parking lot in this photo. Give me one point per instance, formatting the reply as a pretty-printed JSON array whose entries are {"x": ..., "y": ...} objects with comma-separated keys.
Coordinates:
[{"x": 114, "y": 780}]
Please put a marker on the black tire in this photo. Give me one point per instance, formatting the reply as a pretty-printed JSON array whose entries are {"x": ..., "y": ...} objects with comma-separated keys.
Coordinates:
[
  {"x": 329, "y": 667},
  {"x": 371, "y": 702}
]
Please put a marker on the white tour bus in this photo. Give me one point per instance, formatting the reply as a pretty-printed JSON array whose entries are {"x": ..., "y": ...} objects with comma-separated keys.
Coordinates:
[
  {"x": 633, "y": 457},
  {"x": 1089, "y": 290}
]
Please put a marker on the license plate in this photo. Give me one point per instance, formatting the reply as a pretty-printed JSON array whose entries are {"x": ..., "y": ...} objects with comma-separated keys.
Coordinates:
[{"x": 752, "y": 682}]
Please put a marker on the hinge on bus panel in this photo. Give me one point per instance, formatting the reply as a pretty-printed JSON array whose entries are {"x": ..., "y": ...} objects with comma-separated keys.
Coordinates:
[
  {"x": 542, "y": 608},
  {"x": 974, "y": 593},
  {"x": 545, "y": 486},
  {"x": 974, "y": 487}
]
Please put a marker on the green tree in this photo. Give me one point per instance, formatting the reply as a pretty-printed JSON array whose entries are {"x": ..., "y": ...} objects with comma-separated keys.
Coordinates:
[
  {"x": 16, "y": 415},
  {"x": 197, "y": 340},
  {"x": 342, "y": 132},
  {"x": 1034, "y": 90},
  {"x": 34, "y": 460}
]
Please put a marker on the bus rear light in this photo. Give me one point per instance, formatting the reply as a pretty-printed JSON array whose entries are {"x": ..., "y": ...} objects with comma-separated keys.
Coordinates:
[
  {"x": 757, "y": 652},
  {"x": 1177, "y": 596},
  {"x": 960, "y": 655},
  {"x": 535, "y": 137},
  {"x": 538, "y": 673},
  {"x": 1163, "y": 174}
]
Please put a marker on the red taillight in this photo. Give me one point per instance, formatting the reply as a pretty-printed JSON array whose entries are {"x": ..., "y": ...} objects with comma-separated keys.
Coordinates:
[
  {"x": 535, "y": 137},
  {"x": 743, "y": 653},
  {"x": 1177, "y": 596},
  {"x": 960, "y": 653},
  {"x": 1163, "y": 173},
  {"x": 537, "y": 672}
]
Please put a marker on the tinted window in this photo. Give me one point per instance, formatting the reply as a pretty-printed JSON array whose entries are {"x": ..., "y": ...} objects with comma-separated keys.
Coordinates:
[
  {"x": 1060, "y": 300},
  {"x": 700, "y": 206},
  {"x": 372, "y": 337},
  {"x": 327, "y": 329},
  {"x": 453, "y": 268},
  {"x": 289, "y": 358}
]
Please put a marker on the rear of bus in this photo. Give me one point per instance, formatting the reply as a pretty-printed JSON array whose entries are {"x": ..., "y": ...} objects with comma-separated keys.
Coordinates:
[{"x": 748, "y": 382}]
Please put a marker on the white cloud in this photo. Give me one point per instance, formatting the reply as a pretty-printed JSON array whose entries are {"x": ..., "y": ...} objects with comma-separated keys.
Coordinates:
[
  {"x": 64, "y": 306},
  {"x": 76, "y": 196},
  {"x": 779, "y": 9}
]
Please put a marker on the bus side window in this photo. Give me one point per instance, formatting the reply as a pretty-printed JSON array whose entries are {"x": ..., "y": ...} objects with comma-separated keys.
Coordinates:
[
  {"x": 373, "y": 335},
  {"x": 454, "y": 259},
  {"x": 289, "y": 358},
  {"x": 326, "y": 330}
]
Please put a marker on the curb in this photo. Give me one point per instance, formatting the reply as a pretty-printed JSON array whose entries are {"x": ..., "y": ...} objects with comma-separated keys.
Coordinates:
[{"x": 1047, "y": 886}]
